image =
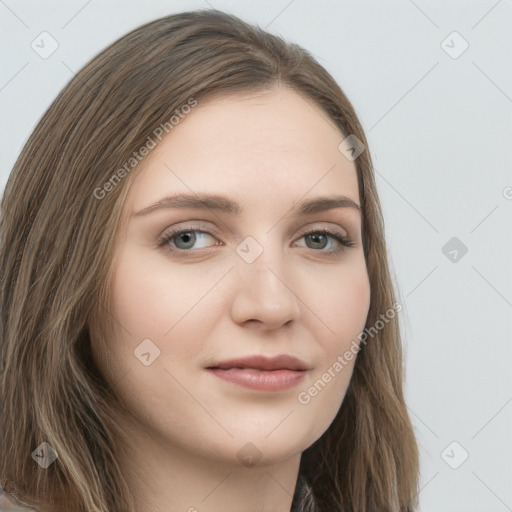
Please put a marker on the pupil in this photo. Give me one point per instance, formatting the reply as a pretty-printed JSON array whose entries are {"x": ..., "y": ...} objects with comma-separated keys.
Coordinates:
[
  {"x": 187, "y": 238},
  {"x": 315, "y": 238}
]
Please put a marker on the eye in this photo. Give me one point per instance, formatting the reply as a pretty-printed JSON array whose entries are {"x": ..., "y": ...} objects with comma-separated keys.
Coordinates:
[
  {"x": 184, "y": 240},
  {"x": 320, "y": 237}
]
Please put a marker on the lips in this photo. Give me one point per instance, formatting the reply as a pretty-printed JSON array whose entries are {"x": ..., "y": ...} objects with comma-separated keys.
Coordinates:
[{"x": 261, "y": 373}]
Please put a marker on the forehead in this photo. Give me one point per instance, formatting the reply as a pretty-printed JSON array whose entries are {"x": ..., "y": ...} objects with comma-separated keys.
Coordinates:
[{"x": 276, "y": 146}]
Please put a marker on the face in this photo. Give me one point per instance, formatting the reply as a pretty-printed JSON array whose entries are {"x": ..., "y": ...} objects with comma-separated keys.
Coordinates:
[{"x": 233, "y": 313}]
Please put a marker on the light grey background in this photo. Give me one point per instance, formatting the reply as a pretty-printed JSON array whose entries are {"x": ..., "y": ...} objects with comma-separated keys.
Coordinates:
[{"x": 439, "y": 126}]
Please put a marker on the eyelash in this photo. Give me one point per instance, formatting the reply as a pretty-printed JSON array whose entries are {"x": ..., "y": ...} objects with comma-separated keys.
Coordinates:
[{"x": 163, "y": 242}]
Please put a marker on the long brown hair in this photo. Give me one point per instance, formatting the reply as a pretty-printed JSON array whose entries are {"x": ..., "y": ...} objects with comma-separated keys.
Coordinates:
[{"x": 56, "y": 251}]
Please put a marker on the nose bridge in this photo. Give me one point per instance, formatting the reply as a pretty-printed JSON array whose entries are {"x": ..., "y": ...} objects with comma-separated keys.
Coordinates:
[
  {"x": 264, "y": 290},
  {"x": 262, "y": 259}
]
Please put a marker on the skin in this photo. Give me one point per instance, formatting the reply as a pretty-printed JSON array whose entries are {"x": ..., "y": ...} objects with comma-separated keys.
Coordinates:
[{"x": 268, "y": 151}]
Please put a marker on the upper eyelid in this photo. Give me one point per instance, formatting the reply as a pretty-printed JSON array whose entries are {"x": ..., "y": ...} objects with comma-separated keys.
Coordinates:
[
  {"x": 343, "y": 218},
  {"x": 207, "y": 230}
]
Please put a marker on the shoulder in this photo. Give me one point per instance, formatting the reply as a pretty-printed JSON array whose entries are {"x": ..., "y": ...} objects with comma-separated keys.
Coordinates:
[{"x": 10, "y": 504}]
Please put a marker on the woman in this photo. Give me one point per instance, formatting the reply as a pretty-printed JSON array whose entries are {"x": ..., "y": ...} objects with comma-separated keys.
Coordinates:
[{"x": 197, "y": 311}]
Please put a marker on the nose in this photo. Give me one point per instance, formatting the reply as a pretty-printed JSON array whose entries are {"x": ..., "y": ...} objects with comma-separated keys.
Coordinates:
[{"x": 265, "y": 297}]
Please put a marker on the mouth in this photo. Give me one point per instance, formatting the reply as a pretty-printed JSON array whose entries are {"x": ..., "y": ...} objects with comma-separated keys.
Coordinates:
[{"x": 261, "y": 373}]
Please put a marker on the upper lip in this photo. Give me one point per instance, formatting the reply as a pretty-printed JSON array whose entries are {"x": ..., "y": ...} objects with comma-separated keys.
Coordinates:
[{"x": 259, "y": 362}]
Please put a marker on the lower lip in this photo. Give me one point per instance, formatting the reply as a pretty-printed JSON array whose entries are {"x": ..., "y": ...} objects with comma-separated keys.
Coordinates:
[{"x": 275, "y": 380}]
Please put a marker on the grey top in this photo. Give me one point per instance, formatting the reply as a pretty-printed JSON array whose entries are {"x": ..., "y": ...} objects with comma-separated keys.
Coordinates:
[{"x": 10, "y": 504}]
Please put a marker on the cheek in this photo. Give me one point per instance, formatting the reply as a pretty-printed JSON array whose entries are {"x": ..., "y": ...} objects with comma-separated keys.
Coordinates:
[
  {"x": 167, "y": 303},
  {"x": 151, "y": 296},
  {"x": 139, "y": 296},
  {"x": 343, "y": 304},
  {"x": 151, "y": 299}
]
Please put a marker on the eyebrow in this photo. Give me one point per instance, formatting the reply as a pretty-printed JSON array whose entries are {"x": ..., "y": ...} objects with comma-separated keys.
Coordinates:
[{"x": 226, "y": 205}]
